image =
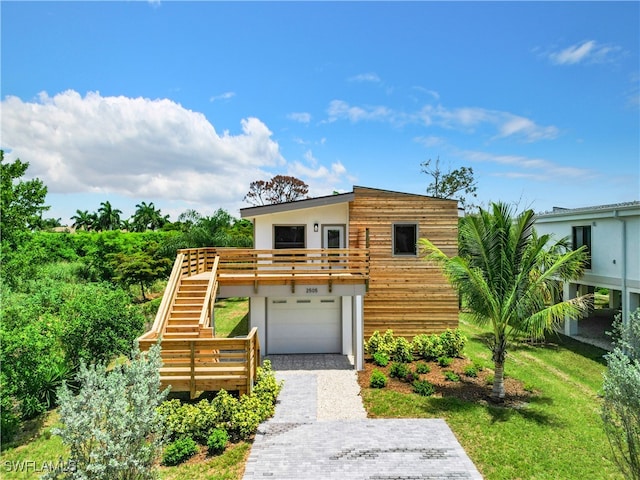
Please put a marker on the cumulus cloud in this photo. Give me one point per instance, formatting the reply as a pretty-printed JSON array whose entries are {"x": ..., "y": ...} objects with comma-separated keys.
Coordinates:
[
  {"x": 586, "y": 52},
  {"x": 135, "y": 147}
]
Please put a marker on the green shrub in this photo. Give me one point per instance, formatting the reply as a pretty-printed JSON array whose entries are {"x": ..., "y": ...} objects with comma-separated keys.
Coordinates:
[
  {"x": 381, "y": 359},
  {"x": 378, "y": 379},
  {"x": 399, "y": 370},
  {"x": 428, "y": 347},
  {"x": 9, "y": 415},
  {"x": 267, "y": 388},
  {"x": 179, "y": 451},
  {"x": 479, "y": 366},
  {"x": 451, "y": 376},
  {"x": 379, "y": 343},
  {"x": 402, "y": 351},
  {"x": 423, "y": 388},
  {"x": 445, "y": 361},
  {"x": 422, "y": 368},
  {"x": 217, "y": 441},
  {"x": 453, "y": 342},
  {"x": 470, "y": 371},
  {"x": 489, "y": 379}
]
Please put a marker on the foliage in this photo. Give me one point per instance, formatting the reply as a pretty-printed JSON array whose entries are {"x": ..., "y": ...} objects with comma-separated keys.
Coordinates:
[
  {"x": 445, "y": 361},
  {"x": 451, "y": 184},
  {"x": 217, "y": 441},
  {"x": 147, "y": 217},
  {"x": 428, "y": 347},
  {"x": 112, "y": 427},
  {"x": 9, "y": 414},
  {"x": 381, "y": 359},
  {"x": 280, "y": 189},
  {"x": 471, "y": 371},
  {"x": 422, "y": 368},
  {"x": 379, "y": 343},
  {"x": 508, "y": 276},
  {"x": 21, "y": 201},
  {"x": 108, "y": 218},
  {"x": 402, "y": 351},
  {"x": 423, "y": 388},
  {"x": 142, "y": 267},
  {"x": 378, "y": 379},
  {"x": 451, "y": 376},
  {"x": 179, "y": 451},
  {"x": 452, "y": 342},
  {"x": 621, "y": 388},
  {"x": 399, "y": 370}
]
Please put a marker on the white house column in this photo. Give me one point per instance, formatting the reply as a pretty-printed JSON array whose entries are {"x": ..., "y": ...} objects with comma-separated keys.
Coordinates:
[
  {"x": 347, "y": 326},
  {"x": 358, "y": 332},
  {"x": 570, "y": 290}
]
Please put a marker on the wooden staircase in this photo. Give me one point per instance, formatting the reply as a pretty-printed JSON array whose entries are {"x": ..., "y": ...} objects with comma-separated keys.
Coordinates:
[{"x": 184, "y": 315}]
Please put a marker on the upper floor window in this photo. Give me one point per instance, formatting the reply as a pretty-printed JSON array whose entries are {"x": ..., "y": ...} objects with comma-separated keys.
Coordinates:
[
  {"x": 582, "y": 236},
  {"x": 405, "y": 239},
  {"x": 289, "y": 236}
]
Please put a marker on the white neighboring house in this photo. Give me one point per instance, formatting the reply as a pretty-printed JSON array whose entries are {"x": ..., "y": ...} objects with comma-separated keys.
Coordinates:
[{"x": 612, "y": 236}]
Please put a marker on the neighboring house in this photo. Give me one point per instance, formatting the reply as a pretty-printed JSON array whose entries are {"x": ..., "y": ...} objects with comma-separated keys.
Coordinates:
[
  {"x": 402, "y": 292},
  {"x": 612, "y": 236}
]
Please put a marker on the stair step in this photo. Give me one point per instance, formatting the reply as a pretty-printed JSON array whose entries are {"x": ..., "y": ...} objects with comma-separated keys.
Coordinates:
[{"x": 182, "y": 328}]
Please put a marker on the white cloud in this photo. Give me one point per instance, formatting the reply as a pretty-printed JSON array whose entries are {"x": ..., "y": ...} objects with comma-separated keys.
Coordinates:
[
  {"x": 223, "y": 96},
  {"x": 431, "y": 141},
  {"x": 366, "y": 77},
  {"x": 339, "y": 109},
  {"x": 589, "y": 51},
  {"x": 302, "y": 117}
]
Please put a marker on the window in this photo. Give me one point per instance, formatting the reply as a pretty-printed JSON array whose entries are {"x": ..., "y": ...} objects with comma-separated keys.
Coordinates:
[
  {"x": 582, "y": 236},
  {"x": 288, "y": 236},
  {"x": 405, "y": 239}
]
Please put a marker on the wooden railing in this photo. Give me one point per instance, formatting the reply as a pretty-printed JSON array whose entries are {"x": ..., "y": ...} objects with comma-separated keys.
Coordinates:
[
  {"x": 207, "y": 316},
  {"x": 208, "y": 364},
  {"x": 162, "y": 315}
]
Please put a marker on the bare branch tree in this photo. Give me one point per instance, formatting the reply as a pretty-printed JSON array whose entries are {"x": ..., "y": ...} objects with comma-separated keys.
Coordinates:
[{"x": 280, "y": 189}]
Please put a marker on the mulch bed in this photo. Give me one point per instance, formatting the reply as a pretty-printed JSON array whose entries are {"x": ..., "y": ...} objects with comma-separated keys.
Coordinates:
[{"x": 470, "y": 389}]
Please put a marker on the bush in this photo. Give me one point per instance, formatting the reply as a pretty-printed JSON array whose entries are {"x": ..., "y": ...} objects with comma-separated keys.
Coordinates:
[
  {"x": 490, "y": 379},
  {"x": 179, "y": 451},
  {"x": 445, "y": 361},
  {"x": 451, "y": 376},
  {"x": 378, "y": 379},
  {"x": 112, "y": 427},
  {"x": 428, "y": 347},
  {"x": 378, "y": 343},
  {"x": 399, "y": 370},
  {"x": 381, "y": 359},
  {"x": 470, "y": 371},
  {"x": 453, "y": 342},
  {"x": 621, "y": 389},
  {"x": 217, "y": 441},
  {"x": 423, "y": 388},
  {"x": 422, "y": 368},
  {"x": 402, "y": 351}
]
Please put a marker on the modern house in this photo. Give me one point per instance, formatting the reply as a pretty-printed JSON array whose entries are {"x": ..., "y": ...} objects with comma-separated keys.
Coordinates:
[
  {"x": 323, "y": 275},
  {"x": 612, "y": 236}
]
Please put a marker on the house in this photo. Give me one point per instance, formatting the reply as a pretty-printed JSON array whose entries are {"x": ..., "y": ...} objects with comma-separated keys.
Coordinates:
[
  {"x": 402, "y": 292},
  {"x": 611, "y": 234},
  {"x": 323, "y": 275}
]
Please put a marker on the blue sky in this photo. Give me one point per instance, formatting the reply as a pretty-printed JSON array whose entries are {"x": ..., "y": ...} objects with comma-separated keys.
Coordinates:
[{"x": 184, "y": 104}]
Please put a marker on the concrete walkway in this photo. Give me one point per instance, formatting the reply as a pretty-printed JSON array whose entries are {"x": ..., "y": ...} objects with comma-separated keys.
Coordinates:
[{"x": 320, "y": 431}]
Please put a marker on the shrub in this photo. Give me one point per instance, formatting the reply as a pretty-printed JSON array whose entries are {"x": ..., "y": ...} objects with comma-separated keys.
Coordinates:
[
  {"x": 112, "y": 427},
  {"x": 445, "y": 361},
  {"x": 428, "y": 347},
  {"x": 621, "y": 389},
  {"x": 451, "y": 376},
  {"x": 398, "y": 370},
  {"x": 267, "y": 388},
  {"x": 402, "y": 351},
  {"x": 423, "y": 388},
  {"x": 453, "y": 342},
  {"x": 381, "y": 359},
  {"x": 411, "y": 376},
  {"x": 470, "y": 371},
  {"x": 479, "y": 366},
  {"x": 378, "y": 379},
  {"x": 217, "y": 441},
  {"x": 422, "y": 368},
  {"x": 489, "y": 379},
  {"x": 378, "y": 343},
  {"x": 179, "y": 451}
]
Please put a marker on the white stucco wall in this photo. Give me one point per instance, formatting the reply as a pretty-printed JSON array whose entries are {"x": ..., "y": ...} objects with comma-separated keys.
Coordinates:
[{"x": 325, "y": 215}]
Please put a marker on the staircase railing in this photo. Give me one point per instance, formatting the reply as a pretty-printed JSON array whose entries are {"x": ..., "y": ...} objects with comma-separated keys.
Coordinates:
[{"x": 207, "y": 315}]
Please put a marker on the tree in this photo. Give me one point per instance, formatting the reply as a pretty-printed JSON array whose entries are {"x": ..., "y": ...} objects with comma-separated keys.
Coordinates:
[
  {"x": 621, "y": 388},
  {"x": 280, "y": 189},
  {"x": 147, "y": 217},
  {"x": 142, "y": 267},
  {"x": 108, "y": 217},
  {"x": 507, "y": 276},
  {"x": 451, "y": 184},
  {"x": 21, "y": 201}
]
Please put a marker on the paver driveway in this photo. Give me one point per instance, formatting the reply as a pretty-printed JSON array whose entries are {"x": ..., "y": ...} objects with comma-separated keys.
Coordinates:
[{"x": 303, "y": 441}]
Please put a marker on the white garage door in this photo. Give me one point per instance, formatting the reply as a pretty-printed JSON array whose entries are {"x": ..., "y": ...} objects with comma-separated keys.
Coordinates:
[{"x": 304, "y": 325}]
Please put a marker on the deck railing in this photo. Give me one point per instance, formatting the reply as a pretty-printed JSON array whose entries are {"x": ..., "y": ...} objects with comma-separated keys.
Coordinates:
[{"x": 207, "y": 318}]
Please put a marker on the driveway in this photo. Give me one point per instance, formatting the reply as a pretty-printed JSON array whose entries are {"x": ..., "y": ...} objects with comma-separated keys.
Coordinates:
[{"x": 320, "y": 431}]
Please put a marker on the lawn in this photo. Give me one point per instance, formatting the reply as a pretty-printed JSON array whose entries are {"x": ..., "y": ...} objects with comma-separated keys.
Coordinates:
[{"x": 556, "y": 434}]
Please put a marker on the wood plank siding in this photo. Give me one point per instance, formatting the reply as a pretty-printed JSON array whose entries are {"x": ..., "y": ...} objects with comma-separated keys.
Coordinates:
[{"x": 406, "y": 294}]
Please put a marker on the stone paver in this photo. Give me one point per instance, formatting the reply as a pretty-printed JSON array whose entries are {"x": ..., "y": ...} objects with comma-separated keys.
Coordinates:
[{"x": 296, "y": 444}]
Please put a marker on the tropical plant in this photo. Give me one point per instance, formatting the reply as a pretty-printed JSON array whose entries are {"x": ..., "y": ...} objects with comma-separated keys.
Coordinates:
[
  {"x": 621, "y": 406},
  {"x": 83, "y": 220},
  {"x": 147, "y": 217},
  {"x": 508, "y": 277},
  {"x": 108, "y": 217}
]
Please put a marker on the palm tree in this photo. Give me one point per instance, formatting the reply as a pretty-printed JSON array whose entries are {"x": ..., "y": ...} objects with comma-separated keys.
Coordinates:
[
  {"x": 147, "y": 217},
  {"x": 82, "y": 220},
  {"x": 508, "y": 277},
  {"x": 108, "y": 217}
]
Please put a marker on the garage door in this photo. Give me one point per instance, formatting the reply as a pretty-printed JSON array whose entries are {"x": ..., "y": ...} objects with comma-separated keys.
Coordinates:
[{"x": 304, "y": 325}]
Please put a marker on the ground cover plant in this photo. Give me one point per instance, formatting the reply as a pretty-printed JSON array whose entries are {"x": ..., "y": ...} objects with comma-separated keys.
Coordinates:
[{"x": 549, "y": 419}]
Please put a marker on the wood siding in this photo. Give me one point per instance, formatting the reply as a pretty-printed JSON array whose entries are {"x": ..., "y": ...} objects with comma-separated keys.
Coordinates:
[{"x": 406, "y": 294}]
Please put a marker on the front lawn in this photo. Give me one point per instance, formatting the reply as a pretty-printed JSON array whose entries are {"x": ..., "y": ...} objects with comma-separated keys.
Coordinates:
[{"x": 556, "y": 432}]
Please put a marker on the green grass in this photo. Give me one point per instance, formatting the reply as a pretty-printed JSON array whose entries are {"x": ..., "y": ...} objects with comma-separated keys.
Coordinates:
[
  {"x": 557, "y": 435},
  {"x": 232, "y": 317}
]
